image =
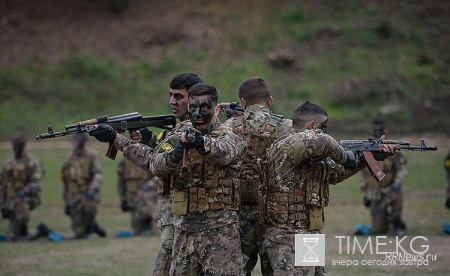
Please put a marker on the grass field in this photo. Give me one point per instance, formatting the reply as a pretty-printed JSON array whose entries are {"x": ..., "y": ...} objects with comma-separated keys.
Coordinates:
[{"x": 424, "y": 213}]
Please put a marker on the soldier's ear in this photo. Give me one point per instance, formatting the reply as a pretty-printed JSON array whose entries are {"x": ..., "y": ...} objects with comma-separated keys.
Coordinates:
[
  {"x": 244, "y": 104},
  {"x": 270, "y": 101}
]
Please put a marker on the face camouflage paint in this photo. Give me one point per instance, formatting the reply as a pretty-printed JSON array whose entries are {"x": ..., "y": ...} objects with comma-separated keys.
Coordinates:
[{"x": 200, "y": 111}]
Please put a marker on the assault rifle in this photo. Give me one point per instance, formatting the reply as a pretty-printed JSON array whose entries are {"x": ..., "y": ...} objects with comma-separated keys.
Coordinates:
[
  {"x": 374, "y": 145},
  {"x": 120, "y": 123},
  {"x": 231, "y": 109}
]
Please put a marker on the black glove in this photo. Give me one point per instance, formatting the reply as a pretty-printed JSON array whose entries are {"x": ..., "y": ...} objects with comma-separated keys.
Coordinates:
[
  {"x": 199, "y": 140},
  {"x": 380, "y": 156},
  {"x": 20, "y": 194},
  {"x": 6, "y": 213},
  {"x": 146, "y": 135},
  {"x": 67, "y": 210},
  {"x": 190, "y": 137},
  {"x": 90, "y": 194},
  {"x": 124, "y": 206},
  {"x": 367, "y": 202},
  {"x": 195, "y": 139},
  {"x": 447, "y": 203},
  {"x": 104, "y": 133},
  {"x": 178, "y": 151},
  {"x": 350, "y": 163}
]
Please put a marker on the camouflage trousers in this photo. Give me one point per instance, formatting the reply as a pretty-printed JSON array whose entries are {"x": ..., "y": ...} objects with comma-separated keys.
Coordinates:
[
  {"x": 252, "y": 237},
  {"x": 19, "y": 219},
  {"x": 140, "y": 224},
  {"x": 279, "y": 244},
  {"x": 214, "y": 251},
  {"x": 164, "y": 256},
  {"x": 144, "y": 212},
  {"x": 82, "y": 215},
  {"x": 389, "y": 208}
]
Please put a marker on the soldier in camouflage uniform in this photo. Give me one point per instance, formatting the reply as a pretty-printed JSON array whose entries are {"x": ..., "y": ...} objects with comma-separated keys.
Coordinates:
[
  {"x": 385, "y": 198},
  {"x": 301, "y": 166},
  {"x": 137, "y": 191},
  {"x": 258, "y": 127},
  {"x": 20, "y": 187},
  {"x": 206, "y": 186},
  {"x": 178, "y": 92},
  {"x": 82, "y": 176}
]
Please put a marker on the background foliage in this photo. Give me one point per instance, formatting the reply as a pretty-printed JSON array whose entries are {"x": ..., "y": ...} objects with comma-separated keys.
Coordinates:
[{"x": 359, "y": 59}]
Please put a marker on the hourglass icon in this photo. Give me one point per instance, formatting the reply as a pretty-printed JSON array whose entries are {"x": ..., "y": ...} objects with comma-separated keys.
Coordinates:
[{"x": 310, "y": 256}]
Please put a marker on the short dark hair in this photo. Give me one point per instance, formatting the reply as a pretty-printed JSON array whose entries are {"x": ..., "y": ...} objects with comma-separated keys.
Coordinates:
[
  {"x": 184, "y": 81},
  {"x": 201, "y": 89},
  {"x": 254, "y": 90},
  {"x": 307, "y": 111}
]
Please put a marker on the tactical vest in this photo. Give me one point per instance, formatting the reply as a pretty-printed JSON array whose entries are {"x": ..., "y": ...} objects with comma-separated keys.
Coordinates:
[
  {"x": 205, "y": 186},
  {"x": 77, "y": 173},
  {"x": 16, "y": 177},
  {"x": 257, "y": 142},
  {"x": 304, "y": 207},
  {"x": 134, "y": 176}
]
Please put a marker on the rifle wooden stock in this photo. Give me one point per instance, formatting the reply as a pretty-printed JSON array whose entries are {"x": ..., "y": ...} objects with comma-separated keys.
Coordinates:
[
  {"x": 372, "y": 165},
  {"x": 111, "y": 152}
]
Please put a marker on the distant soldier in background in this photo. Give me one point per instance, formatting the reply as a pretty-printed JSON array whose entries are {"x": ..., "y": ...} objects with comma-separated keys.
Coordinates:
[
  {"x": 82, "y": 175},
  {"x": 20, "y": 187},
  {"x": 385, "y": 198},
  {"x": 138, "y": 194}
]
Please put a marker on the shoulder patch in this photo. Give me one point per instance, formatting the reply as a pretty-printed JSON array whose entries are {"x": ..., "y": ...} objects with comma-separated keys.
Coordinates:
[
  {"x": 166, "y": 146},
  {"x": 330, "y": 162}
]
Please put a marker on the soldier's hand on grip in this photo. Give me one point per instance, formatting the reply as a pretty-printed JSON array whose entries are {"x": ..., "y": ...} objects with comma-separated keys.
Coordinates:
[
  {"x": 146, "y": 135},
  {"x": 104, "y": 133},
  {"x": 178, "y": 151},
  {"x": 194, "y": 139}
]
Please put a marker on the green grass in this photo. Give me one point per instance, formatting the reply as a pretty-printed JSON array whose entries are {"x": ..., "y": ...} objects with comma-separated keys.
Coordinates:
[{"x": 424, "y": 213}]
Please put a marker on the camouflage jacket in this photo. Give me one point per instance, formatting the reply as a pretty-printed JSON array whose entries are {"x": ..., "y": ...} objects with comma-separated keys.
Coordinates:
[
  {"x": 24, "y": 174},
  {"x": 258, "y": 128},
  {"x": 227, "y": 151},
  {"x": 82, "y": 172},
  {"x": 130, "y": 179},
  {"x": 301, "y": 166}
]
